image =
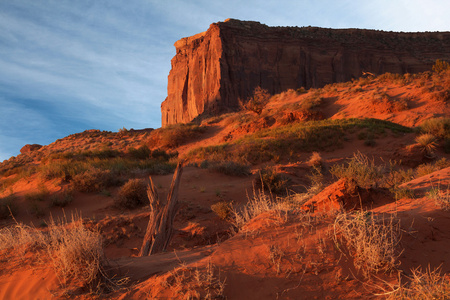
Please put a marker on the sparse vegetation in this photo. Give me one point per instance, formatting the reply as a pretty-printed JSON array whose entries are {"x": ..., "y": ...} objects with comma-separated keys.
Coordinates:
[
  {"x": 230, "y": 168},
  {"x": 258, "y": 101},
  {"x": 361, "y": 169},
  {"x": 222, "y": 209},
  {"x": 272, "y": 180},
  {"x": 427, "y": 143},
  {"x": 174, "y": 135},
  {"x": 94, "y": 180},
  {"x": 441, "y": 197},
  {"x": 132, "y": 194},
  {"x": 372, "y": 240},
  {"x": 440, "y": 66},
  {"x": 423, "y": 285},
  {"x": 75, "y": 253},
  {"x": 259, "y": 202},
  {"x": 8, "y": 206},
  {"x": 62, "y": 199}
]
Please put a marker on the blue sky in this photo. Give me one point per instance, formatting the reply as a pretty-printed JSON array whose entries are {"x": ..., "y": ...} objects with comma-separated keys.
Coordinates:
[{"x": 68, "y": 66}]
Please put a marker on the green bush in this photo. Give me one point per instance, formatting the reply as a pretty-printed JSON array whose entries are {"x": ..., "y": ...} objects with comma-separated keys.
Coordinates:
[
  {"x": 132, "y": 194},
  {"x": 143, "y": 152},
  {"x": 62, "y": 199},
  {"x": 273, "y": 181},
  {"x": 94, "y": 180},
  {"x": 230, "y": 168}
]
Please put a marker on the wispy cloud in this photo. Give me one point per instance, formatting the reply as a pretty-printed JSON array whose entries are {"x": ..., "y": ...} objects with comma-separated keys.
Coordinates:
[{"x": 68, "y": 66}]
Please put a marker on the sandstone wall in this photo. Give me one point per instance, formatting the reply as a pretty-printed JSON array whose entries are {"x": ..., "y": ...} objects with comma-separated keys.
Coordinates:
[{"x": 212, "y": 70}]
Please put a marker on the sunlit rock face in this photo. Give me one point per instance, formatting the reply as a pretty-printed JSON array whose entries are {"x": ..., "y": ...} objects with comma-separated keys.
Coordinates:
[{"x": 212, "y": 70}]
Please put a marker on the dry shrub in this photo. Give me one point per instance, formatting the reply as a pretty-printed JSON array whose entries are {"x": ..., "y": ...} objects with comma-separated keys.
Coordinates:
[
  {"x": 430, "y": 284},
  {"x": 259, "y": 203},
  {"x": 427, "y": 143},
  {"x": 93, "y": 180},
  {"x": 190, "y": 283},
  {"x": 222, "y": 209},
  {"x": 132, "y": 194},
  {"x": 440, "y": 66},
  {"x": 372, "y": 241},
  {"x": 258, "y": 101},
  {"x": 441, "y": 197},
  {"x": 174, "y": 135},
  {"x": 425, "y": 169},
  {"x": 439, "y": 127},
  {"x": 76, "y": 252},
  {"x": 315, "y": 159},
  {"x": 19, "y": 237},
  {"x": 273, "y": 181},
  {"x": 361, "y": 169}
]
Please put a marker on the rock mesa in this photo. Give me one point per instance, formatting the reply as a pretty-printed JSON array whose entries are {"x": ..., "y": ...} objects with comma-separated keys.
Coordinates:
[{"x": 212, "y": 70}]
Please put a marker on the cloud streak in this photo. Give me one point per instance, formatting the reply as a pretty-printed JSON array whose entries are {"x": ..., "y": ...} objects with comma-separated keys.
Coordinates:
[{"x": 67, "y": 66}]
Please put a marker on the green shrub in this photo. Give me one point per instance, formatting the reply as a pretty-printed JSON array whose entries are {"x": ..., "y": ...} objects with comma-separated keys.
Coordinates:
[
  {"x": 140, "y": 153},
  {"x": 230, "y": 168},
  {"x": 273, "y": 181},
  {"x": 132, "y": 194},
  {"x": 94, "y": 180},
  {"x": 62, "y": 199}
]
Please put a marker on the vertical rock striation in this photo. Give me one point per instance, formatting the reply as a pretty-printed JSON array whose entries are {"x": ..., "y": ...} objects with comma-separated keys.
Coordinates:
[{"x": 212, "y": 70}]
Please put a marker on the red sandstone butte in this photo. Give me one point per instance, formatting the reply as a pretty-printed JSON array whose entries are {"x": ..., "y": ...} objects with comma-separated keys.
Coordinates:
[{"x": 212, "y": 70}]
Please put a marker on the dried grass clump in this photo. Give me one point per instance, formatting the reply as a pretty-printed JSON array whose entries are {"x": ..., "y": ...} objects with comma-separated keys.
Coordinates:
[
  {"x": 19, "y": 237},
  {"x": 441, "y": 197},
  {"x": 76, "y": 253},
  {"x": 222, "y": 209},
  {"x": 427, "y": 143},
  {"x": 174, "y": 135},
  {"x": 272, "y": 180},
  {"x": 372, "y": 241},
  {"x": 361, "y": 169},
  {"x": 195, "y": 283},
  {"x": 132, "y": 194},
  {"x": 439, "y": 127},
  {"x": 315, "y": 160},
  {"x": 258, "y": 101},
  {"x": 430, "y": 284},
  {"x": 258, "y": 204}
]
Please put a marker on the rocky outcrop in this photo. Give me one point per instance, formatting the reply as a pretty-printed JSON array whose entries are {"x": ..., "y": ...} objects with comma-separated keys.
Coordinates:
[
  {"x": 30, "y": 148},
  {"x": 212, "y": 70}
]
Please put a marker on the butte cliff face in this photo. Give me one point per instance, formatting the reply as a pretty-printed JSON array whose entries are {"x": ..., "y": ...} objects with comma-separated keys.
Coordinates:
[{"x": 212, "y": 70}]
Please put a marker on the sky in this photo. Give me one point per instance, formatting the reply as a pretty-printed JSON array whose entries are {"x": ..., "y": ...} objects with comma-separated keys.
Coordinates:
[{"x": 71, "y": 65}]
